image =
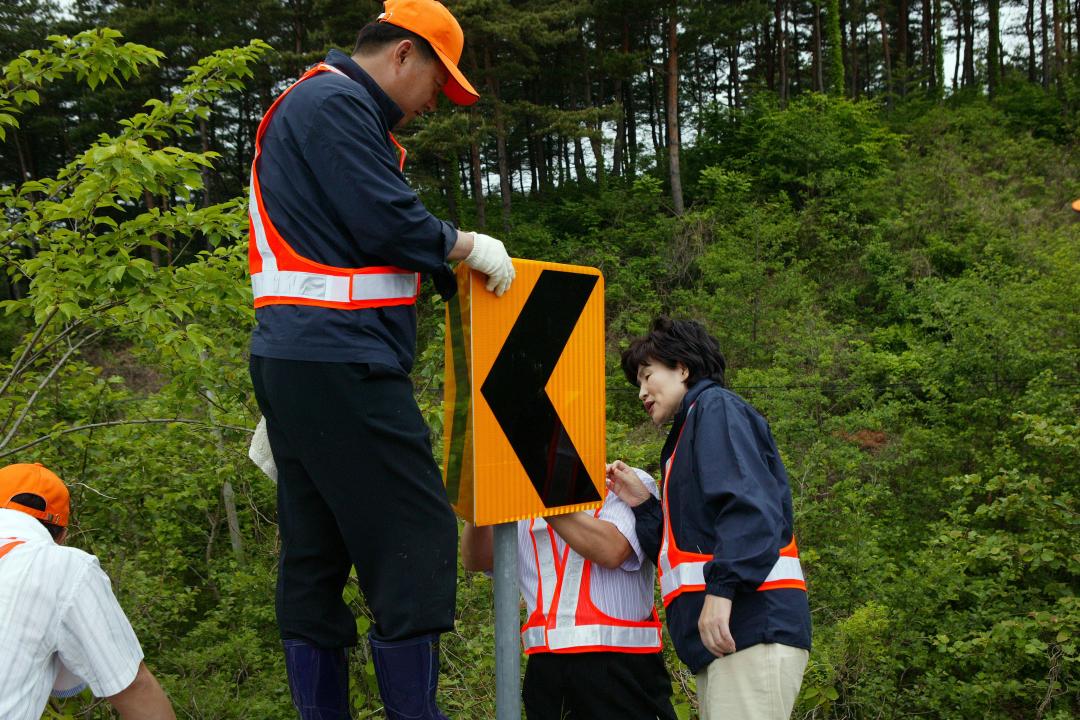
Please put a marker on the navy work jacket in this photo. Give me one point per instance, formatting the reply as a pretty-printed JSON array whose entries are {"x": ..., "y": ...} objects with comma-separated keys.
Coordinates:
[
  {"x": 331, "y": 185},
  {"x": 728, "y": 496}
]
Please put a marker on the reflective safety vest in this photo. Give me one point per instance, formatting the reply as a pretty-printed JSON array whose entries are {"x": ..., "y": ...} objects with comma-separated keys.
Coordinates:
[
  {"x": 682, "y": 571},
  {"x": 280, "y": 276},
  {"x": 565, "y": 619}
]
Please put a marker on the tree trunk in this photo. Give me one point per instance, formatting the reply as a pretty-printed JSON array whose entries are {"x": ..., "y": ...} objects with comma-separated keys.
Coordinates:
[
  {"x": 1044, "y": 28},
  {"x": 1059, "y": 48},
  {"x": 733, "y": 68},
  {"x": 620, "y": 97},
  {"x": 853, "y": 49},
  {"x": 672, "y": 75},
  {"x": 654, "y": 102},
  {"x": 448, "y": 180},
  {"x": 959, "y": 40},
  {"x": 770, "y": 56},
  {"x": 631, "y": 127},
  {"x": 993, "y": 61},
  {"x": 464, "y": 176},
  {"x": 819, "y": 75},
  {"x": 579, "y": 162},
  {"x": 886, "y": 57},
  {"x": 560, "y": 146},
  {"x": 595, "y": 133},
  {"x": 542, "y": 169},
  {"x": 505, "y": 188},
  {"x": 781, "y": 55},
  {"x": 479, "y": 199},
  {"x": 927, "y": 48},
  {"x": 939, "y": 53},
  {"x": 534, "y": 164},
  {"x": 904, "y": 50},
  {"x": 564, "y": 165},
  {"x": 836, "y": 49},
  {"x": 228, "y": 496},
  {"x": 228, "y": 499},
  {"x": 969, "y": 43},
  {"x": 24, "y": 168},
  {"x": 1029, "y": 31},
  {"x": 793, "y": 13}
]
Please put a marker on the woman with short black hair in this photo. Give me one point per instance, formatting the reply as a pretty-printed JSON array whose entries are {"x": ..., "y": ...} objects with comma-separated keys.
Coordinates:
[{"x": 730, "y": 576}]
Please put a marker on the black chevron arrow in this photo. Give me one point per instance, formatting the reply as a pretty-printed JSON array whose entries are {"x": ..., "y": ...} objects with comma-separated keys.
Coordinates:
[{"x": 514, "y": 389}]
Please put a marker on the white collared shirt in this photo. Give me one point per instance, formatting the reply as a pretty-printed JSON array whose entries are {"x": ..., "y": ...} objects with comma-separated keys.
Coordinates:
[
  {"x": 58, "y": 617},
  {"x": 625, "y": 593}
]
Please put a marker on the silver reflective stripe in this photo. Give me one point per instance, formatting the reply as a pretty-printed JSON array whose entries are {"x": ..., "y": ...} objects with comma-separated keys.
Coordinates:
[
  {"x": 566, "y": 613},
  {"x": 665, "y": 561},
  {"x": 269, "y": 262},
  {"x": 545, "y": 554},
  {"x": 683, "y": 574},
  {"x": 383, "y": 286},
  {"x": 603, "y": 635},
  {"x": 532, "y": 637},
  {"x": 786, "y": 568},
  {"x": 291, "y": 284}
]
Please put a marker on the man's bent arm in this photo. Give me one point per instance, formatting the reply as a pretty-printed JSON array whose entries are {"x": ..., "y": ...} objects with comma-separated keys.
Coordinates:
[
  {"x": 477, "y": 548},
  {"x": 143, "y": 699},
  {"x": 594, "y": 539}
]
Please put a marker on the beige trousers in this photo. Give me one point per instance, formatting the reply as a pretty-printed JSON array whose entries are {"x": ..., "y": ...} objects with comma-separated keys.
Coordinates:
[{"x": 758, "y": 683}]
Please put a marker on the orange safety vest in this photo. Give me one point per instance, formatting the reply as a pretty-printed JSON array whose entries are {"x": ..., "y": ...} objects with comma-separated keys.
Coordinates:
[
  {"x": 682, "y": 571},
  {"x": 565, "y": 619},
  {"x": 280, "y": 276}
]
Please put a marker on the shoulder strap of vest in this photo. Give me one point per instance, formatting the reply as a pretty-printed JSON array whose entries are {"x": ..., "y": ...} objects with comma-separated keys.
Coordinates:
[{"x": 5, "y": 549}]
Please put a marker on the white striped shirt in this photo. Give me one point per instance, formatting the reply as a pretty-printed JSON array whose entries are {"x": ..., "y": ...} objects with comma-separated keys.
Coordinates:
[
  {"x": 625, "y": 593},
  {"x": 58, "y": 618}
]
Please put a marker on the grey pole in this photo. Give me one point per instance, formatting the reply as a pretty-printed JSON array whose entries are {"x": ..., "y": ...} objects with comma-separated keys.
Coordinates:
[{"x": 507, "y": 620}]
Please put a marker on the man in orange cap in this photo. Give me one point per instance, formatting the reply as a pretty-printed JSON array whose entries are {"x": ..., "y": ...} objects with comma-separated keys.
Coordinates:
[
  {"x": 338, "y": 244},
  {"x": 62, "y": 627}
]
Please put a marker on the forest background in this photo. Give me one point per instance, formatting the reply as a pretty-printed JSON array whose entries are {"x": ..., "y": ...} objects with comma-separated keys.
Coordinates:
[{"x": 881, "y": 240}]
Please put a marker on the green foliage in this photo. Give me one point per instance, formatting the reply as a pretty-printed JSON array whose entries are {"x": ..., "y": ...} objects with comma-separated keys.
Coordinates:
[
  {"x": 896, "y": 294},
  {"x": 93, "y": 57}
]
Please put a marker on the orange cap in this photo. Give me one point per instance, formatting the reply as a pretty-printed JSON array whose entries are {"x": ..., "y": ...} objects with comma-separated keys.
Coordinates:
[
  {"x": 38, "y": 480},
  {"x": 1076, "y": 205},
  {"x": 432, "y": 21}
]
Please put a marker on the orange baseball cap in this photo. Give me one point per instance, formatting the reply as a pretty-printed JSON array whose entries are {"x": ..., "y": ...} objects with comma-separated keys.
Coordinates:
[
  {"x": 38, "y": 480},
  {"x": 432, "y": 21}
]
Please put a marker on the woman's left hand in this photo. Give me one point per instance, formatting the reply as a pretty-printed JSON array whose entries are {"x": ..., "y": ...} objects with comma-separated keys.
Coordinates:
[{"x": 713, "y": 626}]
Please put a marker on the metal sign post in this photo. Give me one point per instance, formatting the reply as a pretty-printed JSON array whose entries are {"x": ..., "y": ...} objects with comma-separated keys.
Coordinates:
[{"x": 507, "y": 619}]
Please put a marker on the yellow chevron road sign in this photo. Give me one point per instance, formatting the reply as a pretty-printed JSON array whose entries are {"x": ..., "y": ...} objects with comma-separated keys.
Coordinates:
[{"x": 524, "y": 430}]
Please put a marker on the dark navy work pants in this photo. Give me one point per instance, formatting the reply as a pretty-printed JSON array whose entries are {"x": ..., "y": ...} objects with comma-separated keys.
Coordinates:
[{"x": 357, "y": 486}]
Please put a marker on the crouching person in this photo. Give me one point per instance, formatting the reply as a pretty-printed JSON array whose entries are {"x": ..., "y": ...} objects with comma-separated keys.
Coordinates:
[
  {"x": 61, "y": 628},
  {"x": 592, "y": 634}
]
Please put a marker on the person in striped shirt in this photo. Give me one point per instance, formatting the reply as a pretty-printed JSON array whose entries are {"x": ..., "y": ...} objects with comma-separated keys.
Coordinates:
[
  {"x": 592, "y": 635},
  {"x": 61, "y": 628}
]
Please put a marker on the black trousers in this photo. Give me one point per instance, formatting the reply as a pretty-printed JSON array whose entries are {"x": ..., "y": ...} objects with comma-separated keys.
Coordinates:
[
  {"x": 597, "y": 686},
  {"x": 357, "y": 487}
]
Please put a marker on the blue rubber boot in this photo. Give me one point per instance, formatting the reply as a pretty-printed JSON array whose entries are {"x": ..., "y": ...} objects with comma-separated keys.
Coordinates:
[
  {"x": 318, "y": 680},
  {"x": 408, "y": 676}
]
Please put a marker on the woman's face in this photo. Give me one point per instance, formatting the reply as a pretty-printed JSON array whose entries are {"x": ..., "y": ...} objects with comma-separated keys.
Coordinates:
[{"x": 661, "y": 389}]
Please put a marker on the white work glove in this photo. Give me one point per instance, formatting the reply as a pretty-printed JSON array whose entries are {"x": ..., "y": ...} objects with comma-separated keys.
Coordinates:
[
  {"x": 489, "y": 257},
  {"x": 260, "y": 452}
]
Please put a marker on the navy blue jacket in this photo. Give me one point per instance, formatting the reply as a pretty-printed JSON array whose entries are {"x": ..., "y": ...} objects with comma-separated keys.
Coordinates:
[
  {"x": 728, "y": 496},
  {"x": 331, "y": 185}
]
